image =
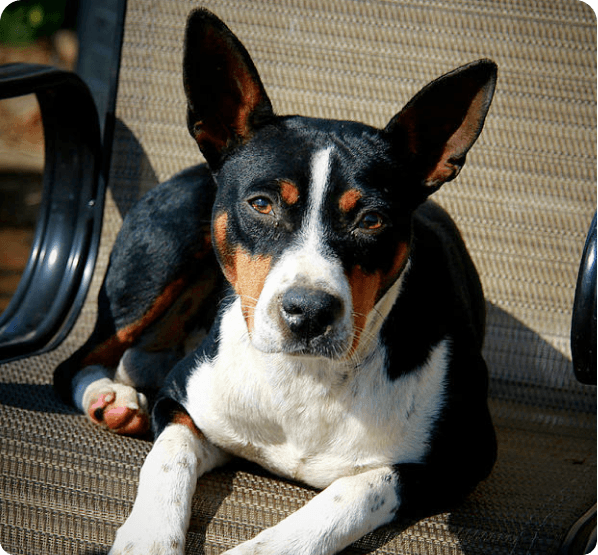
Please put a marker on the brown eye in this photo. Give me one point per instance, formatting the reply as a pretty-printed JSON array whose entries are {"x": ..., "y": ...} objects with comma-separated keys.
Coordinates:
[
  {"x": 261, "y": 205},
  {"x": 371, "y": 221}
]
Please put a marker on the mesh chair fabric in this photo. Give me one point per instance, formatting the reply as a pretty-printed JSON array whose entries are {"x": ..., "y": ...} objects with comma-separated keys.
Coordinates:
[{"x": 524, "y": 203}]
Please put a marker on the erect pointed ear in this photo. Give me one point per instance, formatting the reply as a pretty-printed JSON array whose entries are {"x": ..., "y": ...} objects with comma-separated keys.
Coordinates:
[
  {"x": 440, "y": 123},
  {"x": 226, "y": 101}
]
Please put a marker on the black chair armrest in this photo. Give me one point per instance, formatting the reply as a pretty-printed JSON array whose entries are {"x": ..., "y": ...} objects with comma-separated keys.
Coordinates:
[
  {"x": 583, "y": 324},
  {"x": 53, "y": 286}
]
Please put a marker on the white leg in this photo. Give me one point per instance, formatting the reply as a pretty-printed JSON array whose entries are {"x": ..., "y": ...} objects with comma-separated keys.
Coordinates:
[
  {"x": 341, "y": 514},
  {"x": 160, "y": 517}
]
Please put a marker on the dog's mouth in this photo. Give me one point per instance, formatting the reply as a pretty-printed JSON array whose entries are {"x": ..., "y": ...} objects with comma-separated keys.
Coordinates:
[
  {"x": 332, "y": 350},
  {"x": 333, "y": 343},
  {"x": 318, "y": 347}
]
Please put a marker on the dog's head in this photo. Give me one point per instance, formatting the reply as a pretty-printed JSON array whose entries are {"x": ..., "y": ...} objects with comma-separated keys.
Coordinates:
[{"x": 312, "y": 218}]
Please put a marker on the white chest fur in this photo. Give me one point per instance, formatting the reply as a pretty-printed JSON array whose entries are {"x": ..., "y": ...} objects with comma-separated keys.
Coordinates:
[{"x": 313, "y": 420}]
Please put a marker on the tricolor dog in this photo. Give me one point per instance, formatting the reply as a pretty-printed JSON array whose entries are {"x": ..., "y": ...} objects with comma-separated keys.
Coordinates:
[{"x": 343, "y": 318}]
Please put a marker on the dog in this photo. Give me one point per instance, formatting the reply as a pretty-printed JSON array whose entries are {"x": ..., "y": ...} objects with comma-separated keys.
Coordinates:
[{"x": 300, "y": 303}]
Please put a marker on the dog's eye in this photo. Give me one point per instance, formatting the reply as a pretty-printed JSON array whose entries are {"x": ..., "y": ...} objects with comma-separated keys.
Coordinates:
[
  {"x": 261, "y": 205},
  {"x": 371, "y": 221}
]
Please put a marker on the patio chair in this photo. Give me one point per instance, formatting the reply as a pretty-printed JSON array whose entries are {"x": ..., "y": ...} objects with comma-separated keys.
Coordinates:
[{"x": 524, "y": 203}]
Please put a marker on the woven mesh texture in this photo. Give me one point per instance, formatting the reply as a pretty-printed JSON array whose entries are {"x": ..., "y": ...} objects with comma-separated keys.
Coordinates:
[{"x": 524, "y": 202}]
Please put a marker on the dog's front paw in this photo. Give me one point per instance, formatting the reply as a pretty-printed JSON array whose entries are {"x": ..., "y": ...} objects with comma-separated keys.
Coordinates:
[
  {"x": 118, "y": 407},
  {"x": 138, "y": 540}
]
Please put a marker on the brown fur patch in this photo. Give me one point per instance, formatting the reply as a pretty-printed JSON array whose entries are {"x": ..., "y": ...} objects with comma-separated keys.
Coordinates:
[
  {"x": 172, "y": 327},
  {"x": 399, "y": 261},
  {"x": 365, "y": 290},
  {"x": 223, "y": 248},
  {"x": 289, "y": 192},
  {"x": 251, "y": 273},
  {"x": 368, "y": 288},
  {"x": 245, "y": 273},
  {"x": 185, "y": 420},
  {"x": 349, "y": 199},
  {"x": 110, "y": 351},
  {"x": 220, "y": 223}
]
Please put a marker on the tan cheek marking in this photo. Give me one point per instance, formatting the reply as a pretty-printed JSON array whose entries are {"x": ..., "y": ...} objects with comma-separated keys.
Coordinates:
[
  {"x": 220, "y": 223},
  {"x": 349, "y": 199},
  {"x": 223, "y": 248},
  {"x": 247, "y": 274},
  {"x": 368, "y": 289},
  {"x": 251, "y": 272},
  {"x": 289, "y": 192},
  {"x": 364, "y": 292},
  {"x": 400, "y": 259}
]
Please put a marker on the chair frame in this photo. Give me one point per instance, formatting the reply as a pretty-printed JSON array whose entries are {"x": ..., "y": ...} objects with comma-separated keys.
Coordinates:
[{"x": 78, "y": 138}]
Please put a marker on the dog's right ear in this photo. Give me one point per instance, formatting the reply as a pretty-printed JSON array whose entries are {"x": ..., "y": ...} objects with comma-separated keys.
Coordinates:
[{"x": 226, "y": 101}]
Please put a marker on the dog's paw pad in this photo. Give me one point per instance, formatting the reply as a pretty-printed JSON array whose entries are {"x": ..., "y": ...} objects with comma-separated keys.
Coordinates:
[{"x": 122, "y": 410}]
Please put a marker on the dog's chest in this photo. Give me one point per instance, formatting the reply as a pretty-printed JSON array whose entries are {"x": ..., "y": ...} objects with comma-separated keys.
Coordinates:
[{"x": 318, "y": 420}]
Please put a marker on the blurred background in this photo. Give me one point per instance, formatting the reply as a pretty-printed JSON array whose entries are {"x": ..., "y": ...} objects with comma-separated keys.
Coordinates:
[{"x": 40, "y": 32}]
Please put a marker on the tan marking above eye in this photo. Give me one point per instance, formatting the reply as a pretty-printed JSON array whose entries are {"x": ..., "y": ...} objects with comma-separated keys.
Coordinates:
[
  {"x": 349, "y": 200},
  {"x": 289, "y": 192}
]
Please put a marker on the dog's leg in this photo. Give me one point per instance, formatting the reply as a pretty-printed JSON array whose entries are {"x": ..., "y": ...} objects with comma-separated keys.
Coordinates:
[
  {"x": 160, "y": 517},
  {"x": 341, "y": 514}
]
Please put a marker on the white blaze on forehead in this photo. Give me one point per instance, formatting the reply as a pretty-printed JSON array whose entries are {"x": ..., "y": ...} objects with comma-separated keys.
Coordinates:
[
  {"x": 307, "y": 262},
  {"x": 320, "y": 175}
]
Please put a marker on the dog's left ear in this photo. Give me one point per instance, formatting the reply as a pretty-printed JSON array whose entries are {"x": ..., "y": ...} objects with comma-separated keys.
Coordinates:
[
  {"x": 226, "y": 101},
  {"x": 439, "y": 124}
]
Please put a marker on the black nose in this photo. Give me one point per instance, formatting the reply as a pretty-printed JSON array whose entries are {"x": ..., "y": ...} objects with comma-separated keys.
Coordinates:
[{"x": 309, "y": 312}]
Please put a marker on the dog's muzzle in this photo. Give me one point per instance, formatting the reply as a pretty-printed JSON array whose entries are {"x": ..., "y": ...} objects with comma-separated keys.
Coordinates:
[{"x": 305, "y": 307}]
